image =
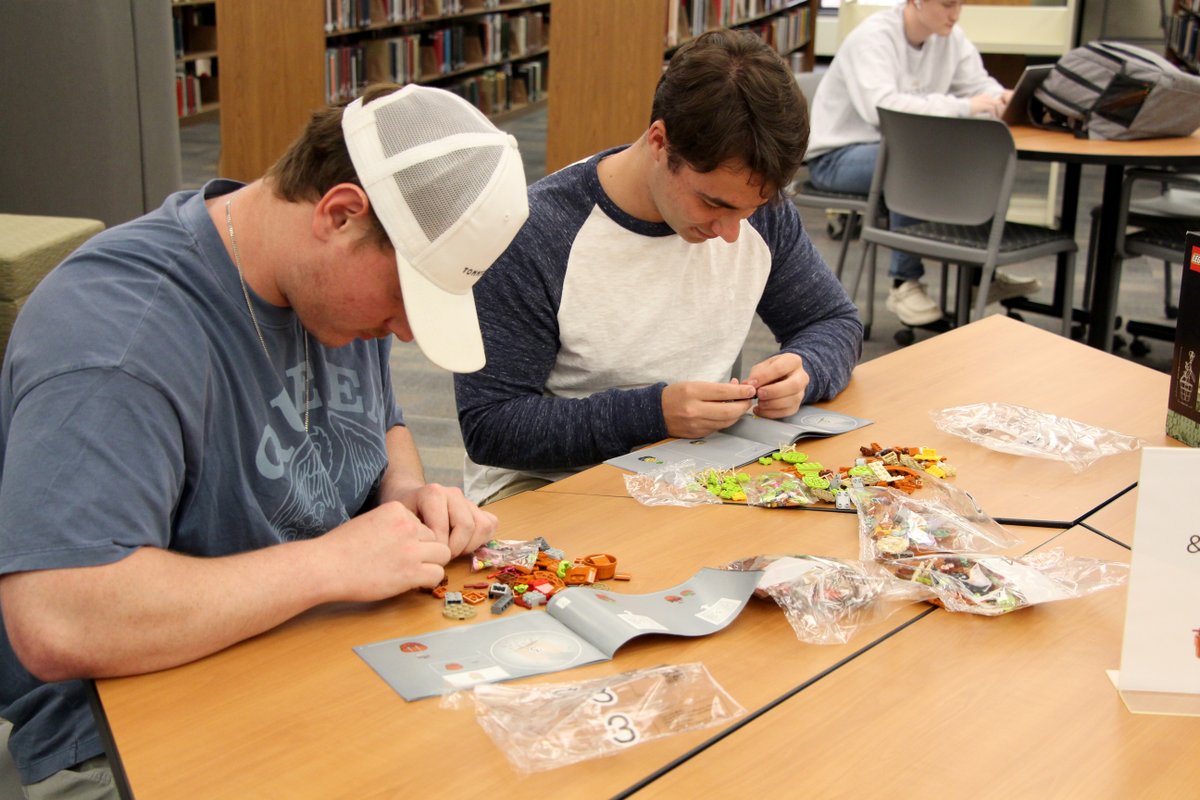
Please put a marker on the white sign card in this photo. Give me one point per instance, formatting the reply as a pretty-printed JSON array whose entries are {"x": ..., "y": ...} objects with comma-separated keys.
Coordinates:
[{"x": 1161, "y": 649}]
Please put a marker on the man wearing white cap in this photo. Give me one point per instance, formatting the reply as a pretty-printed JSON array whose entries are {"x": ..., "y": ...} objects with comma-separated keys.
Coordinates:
[{"x": 197, "y": 424}]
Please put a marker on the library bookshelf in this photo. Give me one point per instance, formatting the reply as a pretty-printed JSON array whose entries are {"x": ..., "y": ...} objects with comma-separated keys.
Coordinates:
[
  {"x": 197, "y": 90},
  {"x": 281, "y": 61},
  {"x": 609, "y": 54},
  {"x": 1183, "y": 30}
]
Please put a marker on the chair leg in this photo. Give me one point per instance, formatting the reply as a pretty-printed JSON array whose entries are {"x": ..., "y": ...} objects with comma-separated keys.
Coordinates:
[
  {"x": 1068, "y": 295},
  {"x": 986, "y": 274},
  {"x": 851, "y": 218},
  {"x": 869, "y": 315}
]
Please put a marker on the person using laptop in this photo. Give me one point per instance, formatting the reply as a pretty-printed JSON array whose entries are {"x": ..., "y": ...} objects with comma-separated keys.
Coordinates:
[{"x": 912, "y": 58}]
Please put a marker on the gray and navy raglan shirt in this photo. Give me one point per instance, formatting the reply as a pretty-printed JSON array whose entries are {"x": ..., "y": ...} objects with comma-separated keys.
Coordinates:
[{"x": 590, "y": 313}]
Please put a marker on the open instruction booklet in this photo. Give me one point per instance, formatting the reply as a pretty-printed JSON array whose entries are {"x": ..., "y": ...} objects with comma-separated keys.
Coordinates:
[
  {"x": 744, "y": 441},
  {"x": 580, "y": 625}
]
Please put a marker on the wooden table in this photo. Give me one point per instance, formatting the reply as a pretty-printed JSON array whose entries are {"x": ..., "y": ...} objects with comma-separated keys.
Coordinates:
[
  {"x": 996, "y": 359},
  {"x": 965, "y": 706},
  {"x": 296, "y": 713},
  {"x": 1034, "y": 144}
]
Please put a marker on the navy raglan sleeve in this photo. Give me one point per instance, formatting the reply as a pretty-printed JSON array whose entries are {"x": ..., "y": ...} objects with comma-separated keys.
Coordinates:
[
  {"x": 505, "y": 416},
  {"x": 806, "y": 307}
]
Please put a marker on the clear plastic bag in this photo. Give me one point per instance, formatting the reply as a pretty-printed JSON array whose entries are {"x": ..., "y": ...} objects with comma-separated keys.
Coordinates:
[
  {"x": 671, "y": 484},
  {"x": 551, "y": 725},
  {"x": 937, "y": 518},
  {"x": 992, "y": 585},
  {"x": 778, "y": 490},
  {"x": 1023, "y": 431},
  {"x": 827, "y": 599},
  {"x": 503, "y": 552}
]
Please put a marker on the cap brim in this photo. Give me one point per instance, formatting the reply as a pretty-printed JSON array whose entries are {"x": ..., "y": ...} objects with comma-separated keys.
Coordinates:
[{"x": 444, "y": 324}]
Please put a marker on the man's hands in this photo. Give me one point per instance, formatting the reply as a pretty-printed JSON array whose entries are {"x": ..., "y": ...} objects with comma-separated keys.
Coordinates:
[
  {"x": 406, "y": 544},
  {"x": 990, "y": 104},
  {"x": 695, "y": 409},
  {"x": 780, "y": 382},
  {"x": 454, "y": 520}
]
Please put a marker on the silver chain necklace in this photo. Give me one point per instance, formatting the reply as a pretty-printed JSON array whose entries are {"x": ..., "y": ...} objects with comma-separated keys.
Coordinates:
[{"x": 237, "y": 262}]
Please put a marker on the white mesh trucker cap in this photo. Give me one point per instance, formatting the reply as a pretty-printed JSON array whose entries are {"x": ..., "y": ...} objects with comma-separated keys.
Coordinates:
[{"x": 449, "y": 189}]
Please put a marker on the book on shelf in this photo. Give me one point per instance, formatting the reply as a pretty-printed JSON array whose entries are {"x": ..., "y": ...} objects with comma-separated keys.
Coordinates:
[
  {"x": 580, "y": 625},
  {"x": 746, "y": 440}
]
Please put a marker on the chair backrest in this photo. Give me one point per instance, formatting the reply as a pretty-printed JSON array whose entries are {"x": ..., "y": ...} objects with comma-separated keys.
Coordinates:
[
  {"x": 947, "y": 169},
  {"x": 808, "y": 82}
]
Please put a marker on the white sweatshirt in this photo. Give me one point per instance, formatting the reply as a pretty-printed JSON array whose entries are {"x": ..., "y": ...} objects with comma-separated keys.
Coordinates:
[{"x": 876, "y": 67}]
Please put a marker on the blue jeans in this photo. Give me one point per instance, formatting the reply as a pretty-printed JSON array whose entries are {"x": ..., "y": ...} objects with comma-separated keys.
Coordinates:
[{"x": 850, "y": 169}]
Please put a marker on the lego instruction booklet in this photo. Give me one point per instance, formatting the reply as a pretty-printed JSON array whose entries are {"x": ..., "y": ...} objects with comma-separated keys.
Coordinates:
[
  {"x": 744, "y": 441},
  {"x": 581, "y": 625}
]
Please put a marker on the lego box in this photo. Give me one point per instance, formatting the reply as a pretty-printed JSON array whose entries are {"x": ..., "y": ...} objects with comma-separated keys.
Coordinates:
[{"x": 1183, "y": 405}]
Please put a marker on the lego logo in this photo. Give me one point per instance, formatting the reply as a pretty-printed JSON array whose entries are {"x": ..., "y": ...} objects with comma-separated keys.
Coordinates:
[{"x": 1194, "y": 262}]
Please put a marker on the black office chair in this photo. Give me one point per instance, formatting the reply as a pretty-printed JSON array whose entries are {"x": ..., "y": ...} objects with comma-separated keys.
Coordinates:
[
  {"x": 1155, "y": 227},
  {"x": 956, "y": 173}
]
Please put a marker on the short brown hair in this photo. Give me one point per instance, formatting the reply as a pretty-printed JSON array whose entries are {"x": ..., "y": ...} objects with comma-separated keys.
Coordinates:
[
  {"x": 726, "y": 95},
  {"x": 318, "y": 160}
]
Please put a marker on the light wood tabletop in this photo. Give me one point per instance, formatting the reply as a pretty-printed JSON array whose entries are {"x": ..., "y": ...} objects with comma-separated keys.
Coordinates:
[
  {"x": 296, "y": 713},
  {"x": 965, "y": 706},
  {"x": 996, "y": 359},
  {"x": 1055, "y": 145}
]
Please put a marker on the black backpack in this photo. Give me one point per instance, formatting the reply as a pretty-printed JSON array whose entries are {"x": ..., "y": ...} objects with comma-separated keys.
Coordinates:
[{"x": 1112, "y": 90}]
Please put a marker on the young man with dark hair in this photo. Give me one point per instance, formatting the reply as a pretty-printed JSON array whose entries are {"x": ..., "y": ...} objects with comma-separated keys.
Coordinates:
[
  {"x": 615, "y": 317},
  {"x": 197, "y": 425}
]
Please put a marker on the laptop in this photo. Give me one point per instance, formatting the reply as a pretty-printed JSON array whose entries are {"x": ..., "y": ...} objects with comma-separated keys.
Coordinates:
[{"x": 1017, "y": 110}]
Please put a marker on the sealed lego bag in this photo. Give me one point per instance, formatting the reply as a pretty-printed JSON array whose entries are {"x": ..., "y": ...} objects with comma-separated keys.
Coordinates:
[
  {"x": 937, "y": 518},
  {"x": 992, "y": 585},
  {"x": 550, "y": 725},
  {"x": 827, "y": 600},
  {"x": 673, "y": 484},
  {"x": 1014, "y": 429}
]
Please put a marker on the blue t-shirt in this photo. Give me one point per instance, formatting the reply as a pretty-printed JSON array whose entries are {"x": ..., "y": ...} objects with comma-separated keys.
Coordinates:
[{"x": 138, "y": 408}]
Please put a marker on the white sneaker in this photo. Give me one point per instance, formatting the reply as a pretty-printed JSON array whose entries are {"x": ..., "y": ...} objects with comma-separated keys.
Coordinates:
[
  {"x": 1005, "y": 285},
  {"x": 912, "y": 304}
]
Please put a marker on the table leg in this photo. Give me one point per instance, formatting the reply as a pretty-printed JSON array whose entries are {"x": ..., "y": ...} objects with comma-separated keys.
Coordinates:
[
  {"x": 1105, "y": 266},
  {"x": 1070, "y": 212}
]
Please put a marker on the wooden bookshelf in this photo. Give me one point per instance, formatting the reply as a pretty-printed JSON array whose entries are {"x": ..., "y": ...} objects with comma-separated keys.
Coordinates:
[
  {"x": 609, "y": 54},
  {"x": 197, "y": 87},
  {"x": 280, "y": 61},
  {"x": 1183, "y": 31}
]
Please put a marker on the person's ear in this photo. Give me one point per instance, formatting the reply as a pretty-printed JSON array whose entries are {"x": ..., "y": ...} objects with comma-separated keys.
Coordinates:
[
  {"x": 656, "y": 138},
  {"x": 340, "y": 209}
]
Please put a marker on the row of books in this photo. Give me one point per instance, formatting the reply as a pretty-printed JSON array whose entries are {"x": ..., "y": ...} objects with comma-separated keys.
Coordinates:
[
  {"x": 786, "y": 32},
  {"x": 349, "y": 15},
  {"x": 188, "y": 95},
  {"x": 349, "y": 70},
  {"x": 429, "y": 54},
  {"x": 1182, "y": 33},
  {"x": 690, "y": 18}
]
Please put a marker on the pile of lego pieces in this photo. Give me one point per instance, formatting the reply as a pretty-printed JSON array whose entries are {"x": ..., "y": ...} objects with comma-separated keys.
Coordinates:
[{"x": 527, "y": 574}]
